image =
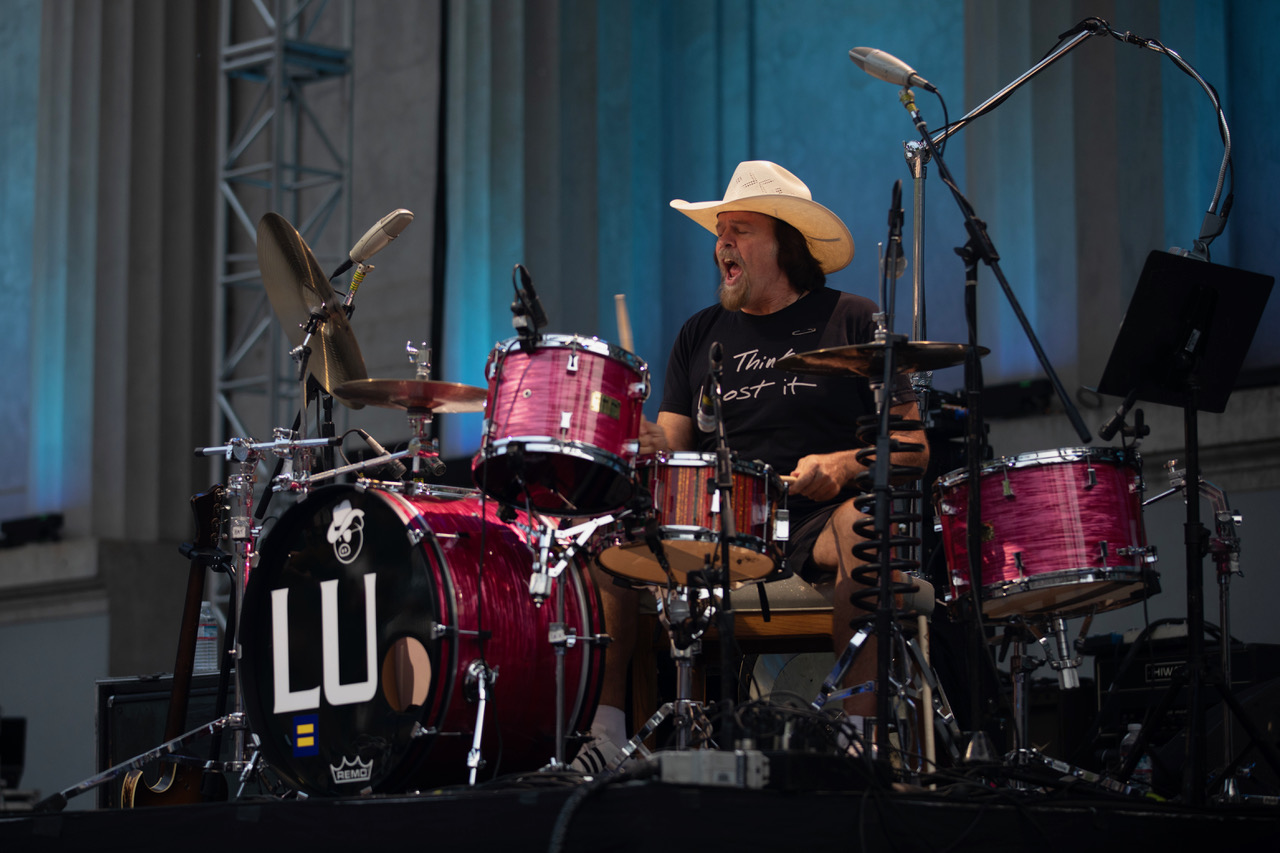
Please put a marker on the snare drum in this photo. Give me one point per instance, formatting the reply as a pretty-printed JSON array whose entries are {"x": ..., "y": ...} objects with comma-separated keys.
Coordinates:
[
  {"x": 1062, "y": 533},
  {"x": 687, "y": 510},
  {"x": 360, "y": 628},
  {"x": 562, "y": 424}
]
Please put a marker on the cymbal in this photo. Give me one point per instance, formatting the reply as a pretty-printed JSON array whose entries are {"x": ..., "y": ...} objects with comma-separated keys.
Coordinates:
[
  {"x": 868, "y": 359},
  {"x": 441, "y": 397},
  {"x": 297, "y": 289}
]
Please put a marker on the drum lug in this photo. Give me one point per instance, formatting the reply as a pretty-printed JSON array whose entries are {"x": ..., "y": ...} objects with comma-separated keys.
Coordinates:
[
  {"x": 1092, "y": 476},
  {"x": 638, "y": 390},
  {"x": 559, "y": 636},
  {"x": 566, "y": 421},
  {"x": 1007, "y": 487},
  {"x": 539, "y": 587},
  {"x": 1145, "y": 553},
  {"x": 782, "y": 525},
  {"x": 572, "y": 366}
]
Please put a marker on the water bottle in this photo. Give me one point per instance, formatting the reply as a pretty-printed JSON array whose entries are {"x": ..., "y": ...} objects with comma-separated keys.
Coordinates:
[
  {"x": 1141, "y": 776},
  {"x": 207, "y": 640}
]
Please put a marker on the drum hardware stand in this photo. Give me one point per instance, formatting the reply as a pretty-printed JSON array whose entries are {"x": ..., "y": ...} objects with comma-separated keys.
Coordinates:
[
  {"x": 1224, "y": 547},
  {"x": 1182, "y": 342},
  {"x": 571, "y": 541},
  {"x": 294, "y": 460},
  {"x": 676, "y": 612},
  {"x": 480, "y": 678},
  {"x": 980, "y": 248},
  {"x": 302, "y": 355},
  {"x": 423, "y": 447},
  {"x": 165, "y": 751},
  {"x": 1058, "y": 656}
]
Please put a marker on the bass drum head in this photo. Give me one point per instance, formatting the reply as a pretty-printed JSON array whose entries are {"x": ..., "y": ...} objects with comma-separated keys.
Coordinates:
[
  {"x": 339, "y": 664},
  {"x": 785, "y": 679}
]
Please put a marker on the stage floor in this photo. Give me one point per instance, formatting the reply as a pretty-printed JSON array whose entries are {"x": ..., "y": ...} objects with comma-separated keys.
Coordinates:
[{"x": 781, "y": 802}]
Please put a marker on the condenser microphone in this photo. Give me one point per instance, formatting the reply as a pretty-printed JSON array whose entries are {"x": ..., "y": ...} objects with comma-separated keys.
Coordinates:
[
  {"x": 376, "y": 239},
  {"x": 889, "y": 68}
]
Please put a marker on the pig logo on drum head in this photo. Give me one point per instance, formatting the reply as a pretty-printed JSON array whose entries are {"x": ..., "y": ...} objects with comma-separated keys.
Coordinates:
[{"x": 346, "y": 532}]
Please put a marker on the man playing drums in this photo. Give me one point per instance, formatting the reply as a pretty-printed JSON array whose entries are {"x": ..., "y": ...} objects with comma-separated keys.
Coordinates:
[{"x": 774, "y": 247}]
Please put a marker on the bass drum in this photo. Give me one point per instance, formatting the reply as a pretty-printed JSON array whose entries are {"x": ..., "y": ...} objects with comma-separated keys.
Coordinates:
[{"x": 361, "y": 625}]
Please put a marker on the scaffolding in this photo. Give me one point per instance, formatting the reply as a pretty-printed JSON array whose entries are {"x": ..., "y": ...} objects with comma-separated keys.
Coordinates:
[{"x": 284, "y": 144}]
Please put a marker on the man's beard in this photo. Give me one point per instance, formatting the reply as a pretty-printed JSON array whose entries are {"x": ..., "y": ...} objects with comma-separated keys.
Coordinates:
[{"x": 733, "y": 299}]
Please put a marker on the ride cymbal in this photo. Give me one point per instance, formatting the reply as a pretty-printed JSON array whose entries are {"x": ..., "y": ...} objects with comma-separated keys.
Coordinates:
[{"x": 868, "y": 359}]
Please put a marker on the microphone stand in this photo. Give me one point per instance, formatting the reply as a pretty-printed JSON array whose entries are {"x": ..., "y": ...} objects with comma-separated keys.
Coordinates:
[
  {"x": 980, "y": 248},
  {"x": 728, "y": 533}
]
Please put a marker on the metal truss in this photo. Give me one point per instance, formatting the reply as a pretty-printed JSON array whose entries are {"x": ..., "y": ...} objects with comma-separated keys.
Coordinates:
[{"x": 284, "y": 145}]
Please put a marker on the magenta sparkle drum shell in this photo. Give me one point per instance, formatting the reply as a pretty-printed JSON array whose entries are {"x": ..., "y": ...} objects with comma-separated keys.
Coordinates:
[
  {"x": 562, "y": 425},
  {"x": 1062, "y": 533}
]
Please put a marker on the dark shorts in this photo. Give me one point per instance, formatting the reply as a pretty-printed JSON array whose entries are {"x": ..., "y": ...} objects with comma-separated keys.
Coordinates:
[{"x": 804, "y": 536}]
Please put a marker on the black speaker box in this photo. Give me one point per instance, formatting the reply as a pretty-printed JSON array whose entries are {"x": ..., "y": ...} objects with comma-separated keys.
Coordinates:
[{"x": 130, "y": 715}]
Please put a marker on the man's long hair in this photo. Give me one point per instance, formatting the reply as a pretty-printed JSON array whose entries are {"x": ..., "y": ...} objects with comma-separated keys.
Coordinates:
[{"x": 802, "y": 269}]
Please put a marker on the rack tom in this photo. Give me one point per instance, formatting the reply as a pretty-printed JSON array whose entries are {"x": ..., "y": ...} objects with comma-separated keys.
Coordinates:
[{"x": 562, "y": 425}]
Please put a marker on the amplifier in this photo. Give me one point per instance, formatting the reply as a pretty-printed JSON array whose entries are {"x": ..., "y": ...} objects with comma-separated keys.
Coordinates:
[
  {"x": 1152, "y": 670},
  {"x": 130, "y": 715}
]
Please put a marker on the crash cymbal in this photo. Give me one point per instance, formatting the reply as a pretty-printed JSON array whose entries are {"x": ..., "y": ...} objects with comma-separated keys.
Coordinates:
[
  {"x": 442, "y": 397},
  {"x": 297, "y": 289},
  {"x": 868, "y": 359}
]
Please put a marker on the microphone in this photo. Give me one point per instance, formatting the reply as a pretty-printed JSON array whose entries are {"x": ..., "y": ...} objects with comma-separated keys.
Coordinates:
[
  {"x": 894, "y": 261},
  {"x": 528, "y": 315},
  {"x": 1108, "y": 430},
  {"x": 396, "y": 468},
  {"x": 889, "y": 68},
  {"x": 706, "y": 408},
  {"x": 706, "y": 404},
  {"x": 376, "y": 239}
]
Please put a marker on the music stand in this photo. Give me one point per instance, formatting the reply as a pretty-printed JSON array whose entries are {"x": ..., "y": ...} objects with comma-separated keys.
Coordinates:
[{"x": 1188, "y": 328}]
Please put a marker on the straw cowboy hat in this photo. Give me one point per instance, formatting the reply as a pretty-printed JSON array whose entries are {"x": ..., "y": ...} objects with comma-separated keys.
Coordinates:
[{"x": 764, "y": 187}]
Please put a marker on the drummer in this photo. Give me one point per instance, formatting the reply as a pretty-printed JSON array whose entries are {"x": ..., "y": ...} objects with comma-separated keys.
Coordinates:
[{"x": 774, "y": 248}]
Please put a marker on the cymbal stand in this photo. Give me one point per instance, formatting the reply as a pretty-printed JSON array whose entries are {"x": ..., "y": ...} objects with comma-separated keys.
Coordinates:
[
  {"x": 294, "y": 461},
  {"x": 423, "y": 447}
]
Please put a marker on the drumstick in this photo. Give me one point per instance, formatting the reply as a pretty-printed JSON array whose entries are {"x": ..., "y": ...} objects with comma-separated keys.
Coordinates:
[
  {"x": 624, "y": 323},
  {"x": 788, "y": 479}
]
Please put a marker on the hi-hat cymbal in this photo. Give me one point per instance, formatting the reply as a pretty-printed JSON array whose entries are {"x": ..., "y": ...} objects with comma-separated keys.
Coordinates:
[
  {"x": 868, "y": 359},
  {"x": 297, "y": 289},
  {"x": 441, "y": 397}
]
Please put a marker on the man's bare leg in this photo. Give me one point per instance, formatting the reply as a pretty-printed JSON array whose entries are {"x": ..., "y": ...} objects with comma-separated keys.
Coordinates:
[{"x": 834, "y": 551}]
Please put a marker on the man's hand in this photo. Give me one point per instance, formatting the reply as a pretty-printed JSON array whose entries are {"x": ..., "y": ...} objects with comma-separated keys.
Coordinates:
[
  {"x": 821, "y": 476},
  {"x": 653, "y": 438}
]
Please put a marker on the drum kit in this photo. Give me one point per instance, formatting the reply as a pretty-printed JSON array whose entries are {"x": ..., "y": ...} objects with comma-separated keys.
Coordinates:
[{"x": 391, "y": 633}]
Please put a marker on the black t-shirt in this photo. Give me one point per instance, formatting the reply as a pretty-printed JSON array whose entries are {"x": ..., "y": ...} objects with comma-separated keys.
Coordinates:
[{"x": 775, "y": 415}]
